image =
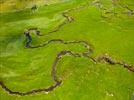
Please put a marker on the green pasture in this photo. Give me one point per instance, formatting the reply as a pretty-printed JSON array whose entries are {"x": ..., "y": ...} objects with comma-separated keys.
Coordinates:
[{"x": 23, "y": 69}]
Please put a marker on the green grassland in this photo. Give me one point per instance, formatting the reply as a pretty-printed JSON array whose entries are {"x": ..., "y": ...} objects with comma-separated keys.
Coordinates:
[
  {"x": 12, "y": 5},
  {"x": 108, "y": 26}
]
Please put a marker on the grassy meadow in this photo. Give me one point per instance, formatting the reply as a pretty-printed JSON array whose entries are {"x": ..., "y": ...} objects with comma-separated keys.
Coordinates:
[{"x": 107, "y": 25}]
